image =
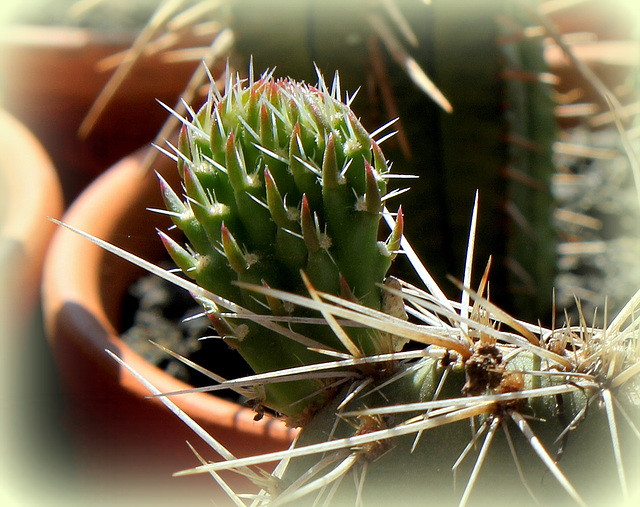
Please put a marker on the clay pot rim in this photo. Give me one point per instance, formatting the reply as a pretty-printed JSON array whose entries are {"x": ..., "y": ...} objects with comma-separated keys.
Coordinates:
[{"x": 33, "y": 192}]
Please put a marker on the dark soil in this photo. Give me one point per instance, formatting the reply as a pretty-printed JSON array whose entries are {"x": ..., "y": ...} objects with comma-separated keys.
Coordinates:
[{"x": 158, "y": 311}]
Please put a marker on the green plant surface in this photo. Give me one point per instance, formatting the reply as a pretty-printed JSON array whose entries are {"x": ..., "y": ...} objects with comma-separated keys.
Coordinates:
[{"x": 280, "y": 178}]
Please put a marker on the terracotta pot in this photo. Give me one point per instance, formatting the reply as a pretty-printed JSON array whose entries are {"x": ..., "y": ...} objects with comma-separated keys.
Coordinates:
[
  {"x": 29, "y": 192},
  {"x": 50, "y": 81},
  {"x": 120, "y": 435}
]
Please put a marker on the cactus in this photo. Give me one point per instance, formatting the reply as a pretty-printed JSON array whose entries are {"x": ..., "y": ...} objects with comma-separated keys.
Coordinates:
[
  {"x": 487, "y": 59},
  {"x": 283, "y": 196},
  {"x": 281, "y": 178},
  {"x": 551, "y": 413}
]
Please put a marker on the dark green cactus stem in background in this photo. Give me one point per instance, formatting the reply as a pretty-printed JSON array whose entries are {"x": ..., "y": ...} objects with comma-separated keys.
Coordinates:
[
  {"x": 280, "y": 177},
  {"x": 533, "y": 129},
  {"x": 498, "y": 140}
]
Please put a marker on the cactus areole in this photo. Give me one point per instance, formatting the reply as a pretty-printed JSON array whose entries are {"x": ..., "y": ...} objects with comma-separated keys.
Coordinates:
[{"x": 281, "y": 183}]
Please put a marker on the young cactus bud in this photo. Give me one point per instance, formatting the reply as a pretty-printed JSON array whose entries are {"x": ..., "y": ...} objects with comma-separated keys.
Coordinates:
[{"x": 281, "y": 178}]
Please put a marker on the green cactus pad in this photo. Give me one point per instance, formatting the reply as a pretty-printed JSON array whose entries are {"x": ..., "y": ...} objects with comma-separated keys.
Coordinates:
[{"x": 281, "y": 178}]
